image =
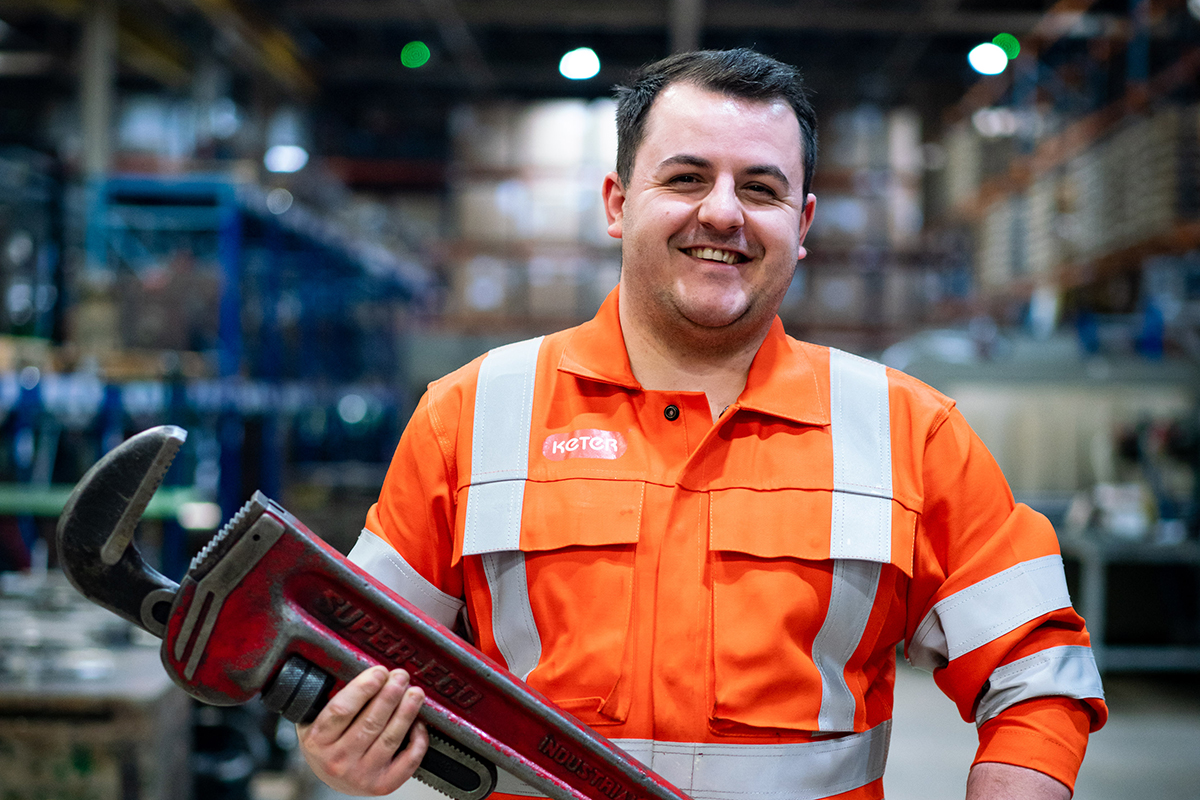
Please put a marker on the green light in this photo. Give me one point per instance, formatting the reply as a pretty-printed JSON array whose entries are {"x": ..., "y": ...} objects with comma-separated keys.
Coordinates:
[
  {"x": 414, "y": 54},
  {"x": 1008, "y": 43}
]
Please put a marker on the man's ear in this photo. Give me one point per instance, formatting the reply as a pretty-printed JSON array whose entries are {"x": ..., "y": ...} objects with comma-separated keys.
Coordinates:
[
  {"x": 614, "y": 203},
  {"x": 806, "y": 218}
]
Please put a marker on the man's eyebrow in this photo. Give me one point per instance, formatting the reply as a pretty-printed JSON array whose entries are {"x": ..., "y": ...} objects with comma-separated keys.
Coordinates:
[
  {"x": 769, "y": 170},
  {"x": 683, "y": 159}
]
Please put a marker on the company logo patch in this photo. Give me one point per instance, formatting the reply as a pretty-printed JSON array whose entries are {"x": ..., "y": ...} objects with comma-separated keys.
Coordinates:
[{"x": 586, "y": 443}]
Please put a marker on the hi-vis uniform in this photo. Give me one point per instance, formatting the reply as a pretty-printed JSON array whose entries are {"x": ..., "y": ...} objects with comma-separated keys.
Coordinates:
[{"x": 725, "y": 600}]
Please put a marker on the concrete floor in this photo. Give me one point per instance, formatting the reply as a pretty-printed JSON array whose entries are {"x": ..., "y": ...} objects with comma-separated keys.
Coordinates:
[{"x": 1150, "y": 748}]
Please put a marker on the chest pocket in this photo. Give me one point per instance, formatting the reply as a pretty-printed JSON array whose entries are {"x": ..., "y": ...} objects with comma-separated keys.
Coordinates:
[
  {"x": 556, "y": 556},
  {"x": 562, "y": 594},
  {"x": 790, "y": 630},
  {"x": 796, "y": 572}
]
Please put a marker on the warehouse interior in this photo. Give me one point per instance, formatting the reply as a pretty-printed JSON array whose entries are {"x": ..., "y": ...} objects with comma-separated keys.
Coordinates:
[{"x": 273, "y": 222}]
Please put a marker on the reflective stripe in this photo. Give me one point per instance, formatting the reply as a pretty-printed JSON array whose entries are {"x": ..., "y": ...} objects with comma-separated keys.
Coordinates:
[
  {"x": 500, "y": 448},
  {"x": 380, "y": 559},
  {"x": 850, "y": 603},
  {"x": 513, "y": 625},
  {"x": 987, "y": 610},
  {"x": 499, "y": 466},
  {"x": 860, "y": 427},
  {"x": 804, "y": 771},
  {"x": 861, "y": 533},
  {"x": 1068, "y": 671}
]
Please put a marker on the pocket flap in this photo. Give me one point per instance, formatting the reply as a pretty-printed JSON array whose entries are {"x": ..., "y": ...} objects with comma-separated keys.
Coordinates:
[
  {"x": 799, "y": 523},
  {"x": 582, "y": 511},
  {"x": 573, "y": 512}
]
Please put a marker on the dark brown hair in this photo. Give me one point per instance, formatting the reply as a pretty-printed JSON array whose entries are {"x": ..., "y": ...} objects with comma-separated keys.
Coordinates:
[{"x": 740, "y": 73}]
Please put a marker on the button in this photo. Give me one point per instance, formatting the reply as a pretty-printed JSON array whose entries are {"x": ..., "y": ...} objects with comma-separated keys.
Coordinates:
[{"x": 671, "y": 412}]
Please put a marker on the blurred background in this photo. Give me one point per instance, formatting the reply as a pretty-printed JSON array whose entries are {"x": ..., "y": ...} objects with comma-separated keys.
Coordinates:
[{"x": 272, "y": 222}]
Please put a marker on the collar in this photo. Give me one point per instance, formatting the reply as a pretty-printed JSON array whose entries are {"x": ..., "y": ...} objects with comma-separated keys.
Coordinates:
[{"x": 782, "y": 381}]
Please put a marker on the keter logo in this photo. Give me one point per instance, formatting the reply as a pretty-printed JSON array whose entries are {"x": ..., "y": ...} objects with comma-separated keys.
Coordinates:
[{"x": 587, "y": 443}]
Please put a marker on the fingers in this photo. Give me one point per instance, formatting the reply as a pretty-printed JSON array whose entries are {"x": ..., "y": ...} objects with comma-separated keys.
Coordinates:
[
  {"x": 341, "y": 710},
  {"x": 354, "y": 743},
  {"x": 394, "y": 727},
  {"x": 405, "y": 763}
]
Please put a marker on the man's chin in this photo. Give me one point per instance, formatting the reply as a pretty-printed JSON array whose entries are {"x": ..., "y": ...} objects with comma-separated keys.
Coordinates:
[
  {"x": 715, "y": 316},
  {"x": 713, "y": 322}
]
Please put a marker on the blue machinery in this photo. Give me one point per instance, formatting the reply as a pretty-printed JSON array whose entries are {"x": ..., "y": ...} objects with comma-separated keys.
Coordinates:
[{"x": 297, "y": 321}]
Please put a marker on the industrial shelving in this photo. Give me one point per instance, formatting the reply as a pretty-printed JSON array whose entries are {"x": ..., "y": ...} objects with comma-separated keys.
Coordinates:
[{"x": 270, "y": 318}]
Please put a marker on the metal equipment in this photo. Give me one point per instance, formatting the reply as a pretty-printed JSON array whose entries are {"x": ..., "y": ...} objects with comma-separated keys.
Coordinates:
[{"x": 267, "y": 607}]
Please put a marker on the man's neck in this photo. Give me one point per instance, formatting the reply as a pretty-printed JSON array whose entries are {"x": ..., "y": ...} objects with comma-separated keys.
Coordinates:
[{"x": 668, "y": 366}]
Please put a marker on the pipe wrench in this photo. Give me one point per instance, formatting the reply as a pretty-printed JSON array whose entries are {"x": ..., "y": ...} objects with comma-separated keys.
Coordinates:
[{"x": 267, "y": 608}]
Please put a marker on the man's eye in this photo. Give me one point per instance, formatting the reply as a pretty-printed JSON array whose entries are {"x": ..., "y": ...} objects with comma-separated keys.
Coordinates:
[
  {"x": 685, "y": 179},
  {"x": 759, "y": 188}
]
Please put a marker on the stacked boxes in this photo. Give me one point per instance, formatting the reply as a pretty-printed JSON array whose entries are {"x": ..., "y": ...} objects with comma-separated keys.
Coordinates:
[
  {"x": 532, "y": 235},
  {"x": 995, "y": 261},
  {"x": 859, "y": 275},
  {"x": 1131, "y": 189},
  {"x": 869, "y": 179},
  {"x": 1044, "y": 245}
]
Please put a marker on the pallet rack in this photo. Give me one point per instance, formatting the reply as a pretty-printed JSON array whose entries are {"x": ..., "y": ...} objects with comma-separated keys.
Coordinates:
[{"x": 297, "y": 316}]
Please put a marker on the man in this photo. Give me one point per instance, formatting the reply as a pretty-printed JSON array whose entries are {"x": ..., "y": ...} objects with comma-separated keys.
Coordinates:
[{"x": 704, "y": 538}]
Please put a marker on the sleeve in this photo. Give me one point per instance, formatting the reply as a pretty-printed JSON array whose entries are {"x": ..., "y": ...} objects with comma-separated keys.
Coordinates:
[
  {"x": 408, "y": 539},
  {"x": 990, "y": 616}
]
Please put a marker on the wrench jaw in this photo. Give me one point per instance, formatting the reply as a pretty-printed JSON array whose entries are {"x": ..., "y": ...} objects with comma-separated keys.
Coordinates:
[{"x": 95, "y": 530}]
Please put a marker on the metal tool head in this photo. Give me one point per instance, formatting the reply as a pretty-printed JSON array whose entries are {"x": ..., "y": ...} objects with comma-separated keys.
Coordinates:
[{"x": 95, "y": 530}]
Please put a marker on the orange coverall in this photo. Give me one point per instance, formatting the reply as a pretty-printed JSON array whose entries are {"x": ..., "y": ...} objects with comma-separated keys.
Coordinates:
[{"x": 679, "y": 571}]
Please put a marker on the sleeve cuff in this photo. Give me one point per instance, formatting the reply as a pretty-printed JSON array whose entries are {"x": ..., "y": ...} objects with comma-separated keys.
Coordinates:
[{"x": 1048, "y": 734}]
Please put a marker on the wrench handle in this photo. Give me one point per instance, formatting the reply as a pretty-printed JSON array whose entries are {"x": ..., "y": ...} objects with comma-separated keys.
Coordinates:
[{"x": 300, "y": 691}]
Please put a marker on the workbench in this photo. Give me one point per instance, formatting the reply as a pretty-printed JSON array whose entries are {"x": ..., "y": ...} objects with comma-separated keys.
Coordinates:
[
  {"x": 1096, "y": 553},
  {"x": 82, "y": 717}
]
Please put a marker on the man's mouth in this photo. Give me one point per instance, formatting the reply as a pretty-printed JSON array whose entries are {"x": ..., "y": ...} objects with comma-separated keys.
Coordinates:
[{"x": 713, "y": 254}]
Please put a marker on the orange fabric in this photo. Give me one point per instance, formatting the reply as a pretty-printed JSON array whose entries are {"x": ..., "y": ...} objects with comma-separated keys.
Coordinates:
[
  {"x": 678, "y": 587},
  {"x": 1048, "y": 734}
]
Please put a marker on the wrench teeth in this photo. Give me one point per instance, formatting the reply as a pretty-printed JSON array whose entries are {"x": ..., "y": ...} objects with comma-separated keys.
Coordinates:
[
  {"x": 237, "y": 525},
  {"x": 455, "y": 771}
]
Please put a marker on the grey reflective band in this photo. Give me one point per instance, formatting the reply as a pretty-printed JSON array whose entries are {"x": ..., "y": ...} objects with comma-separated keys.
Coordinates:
[
  {"x": 499, "y": 466},
  {"x": 500, "y": 448},
  {"x": 987, "y": 610},
  {"x": 513, "y": 626},
  {"x": 387, "y": 566},
  {"x": 861, "y": 532},
  {"x": 805, "y": 771},
  {"x": 1068, "y": 671},
  {"x": 860, "y": 427},
  {"x": 850, "y": 604}
]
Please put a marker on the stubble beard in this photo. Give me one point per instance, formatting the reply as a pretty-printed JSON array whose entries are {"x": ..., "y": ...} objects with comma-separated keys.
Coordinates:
[{"x": 684, "y": 331}]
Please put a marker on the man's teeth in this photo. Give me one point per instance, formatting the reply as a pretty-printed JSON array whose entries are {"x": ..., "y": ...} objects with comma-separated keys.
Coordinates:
[{"x": 709, "y": 254}]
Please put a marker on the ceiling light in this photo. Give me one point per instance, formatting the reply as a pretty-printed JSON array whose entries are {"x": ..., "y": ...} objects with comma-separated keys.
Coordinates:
[
  {"x": 279, "y": 200},
  {"x": 414, "y": 54},
  {"x": 580, "y": 64},
  {"x": 988, "y": 59},
  {"x": 1008, "y": 43},
  {"x": 285, "y": 158}
]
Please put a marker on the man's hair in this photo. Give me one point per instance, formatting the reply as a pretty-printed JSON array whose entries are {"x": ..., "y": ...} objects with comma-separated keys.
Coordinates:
[{"x": 740, "y": 73}]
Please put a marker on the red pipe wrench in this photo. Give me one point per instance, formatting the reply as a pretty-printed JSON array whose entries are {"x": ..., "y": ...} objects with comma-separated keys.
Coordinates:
[{"x": 268, "y": 608}]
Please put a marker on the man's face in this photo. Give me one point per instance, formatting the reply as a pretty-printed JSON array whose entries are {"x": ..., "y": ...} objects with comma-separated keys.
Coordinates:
[{"x": 713, "y": 219}]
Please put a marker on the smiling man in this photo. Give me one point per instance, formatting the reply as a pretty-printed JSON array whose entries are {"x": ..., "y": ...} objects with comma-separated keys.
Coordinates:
[
  {"x": 712, "y": 223},
  {"x": 702, "y": 537}
]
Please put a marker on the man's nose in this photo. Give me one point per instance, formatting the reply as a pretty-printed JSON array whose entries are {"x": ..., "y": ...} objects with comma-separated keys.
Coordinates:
[{"x": 721, "y": 208}]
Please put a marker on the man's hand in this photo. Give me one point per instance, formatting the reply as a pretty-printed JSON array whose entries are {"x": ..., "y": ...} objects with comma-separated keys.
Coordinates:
[
  {"x": 994, "y": 781},
  {"x": 352, "y": 744}
]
